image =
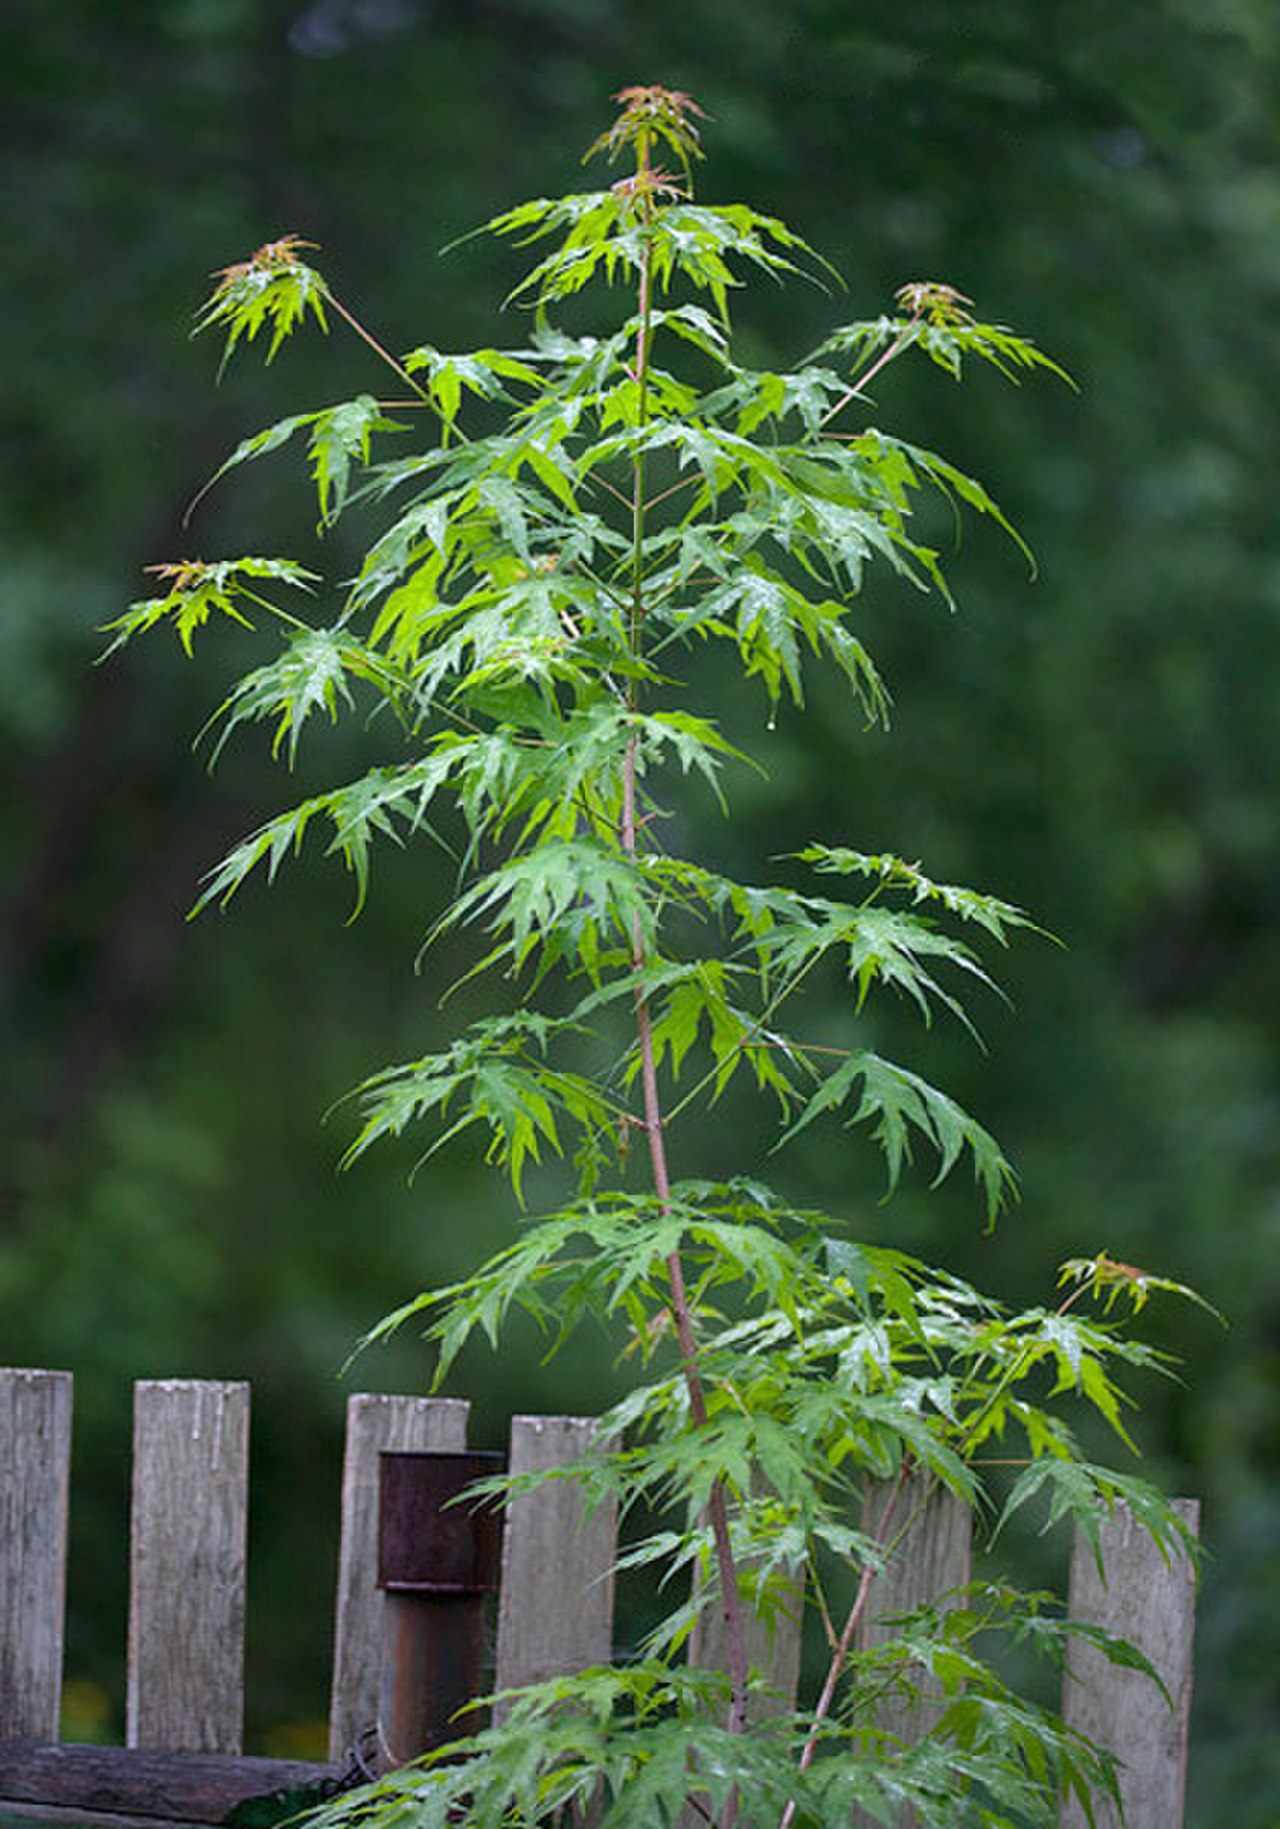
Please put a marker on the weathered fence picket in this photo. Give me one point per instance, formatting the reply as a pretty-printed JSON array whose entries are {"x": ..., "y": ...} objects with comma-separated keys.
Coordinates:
[
  {"x": 929, "y": 1534},
  {"x": 188, "y": 1525},
  {"x": 1148, "y": 1599},
  {"x": 182, "y": 1766},
  {"x": 35, "y": 1454},
  {"x": 555, "y": 1612}
]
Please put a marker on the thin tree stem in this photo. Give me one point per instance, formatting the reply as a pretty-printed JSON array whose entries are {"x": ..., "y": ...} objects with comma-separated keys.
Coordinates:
[
  {"x": 682, "y": 1315},
  {"x": 652, "y": 1121}
]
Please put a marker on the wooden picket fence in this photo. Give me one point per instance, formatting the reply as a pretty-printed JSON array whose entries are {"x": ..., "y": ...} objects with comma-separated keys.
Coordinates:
[{"x": 183, "y": 1763}]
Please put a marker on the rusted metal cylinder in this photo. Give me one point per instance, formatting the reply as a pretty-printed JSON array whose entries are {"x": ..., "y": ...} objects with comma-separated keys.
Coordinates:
[{"x": 438, "y": 1557}]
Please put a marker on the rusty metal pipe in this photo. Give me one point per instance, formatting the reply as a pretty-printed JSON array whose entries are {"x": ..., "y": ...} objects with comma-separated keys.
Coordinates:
[{"x": 438, "y": 1556}]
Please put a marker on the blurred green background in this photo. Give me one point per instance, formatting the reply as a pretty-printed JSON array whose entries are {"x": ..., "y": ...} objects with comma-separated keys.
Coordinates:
[{"x": 1099, "y": 744}]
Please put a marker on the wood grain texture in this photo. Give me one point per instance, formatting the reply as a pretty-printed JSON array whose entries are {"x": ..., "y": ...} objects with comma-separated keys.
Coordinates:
[
  {"x": 773, "y": 1652},
  {"x": 931, "y": 1555},
  {"x": 555, "y": 1613},
  {"x": 54, "y": 1816},
  {"x": 35, "y": 1459},
  {"x": 773, "y": 1646},
  {"x": 374, "y": 1423},
  {"x": 187, "y": 1566},
  {"x": 124, "y": 1782},
  {"x": 1151, "y": 1602}
]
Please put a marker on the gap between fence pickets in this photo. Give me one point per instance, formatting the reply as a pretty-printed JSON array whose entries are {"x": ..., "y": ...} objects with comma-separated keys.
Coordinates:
[{"x": 555, "y": 1612}]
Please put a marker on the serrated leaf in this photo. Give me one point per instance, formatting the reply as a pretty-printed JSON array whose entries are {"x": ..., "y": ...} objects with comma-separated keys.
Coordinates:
[
  {"x": 274, "y": 286},
  {"x": 199, "y": 589},
  {"x": 894, "y": 873},
  {"x": 340, "y": 437},
  {"x": 314, "y": 674},
  {"x": 898, "y": 1103}
]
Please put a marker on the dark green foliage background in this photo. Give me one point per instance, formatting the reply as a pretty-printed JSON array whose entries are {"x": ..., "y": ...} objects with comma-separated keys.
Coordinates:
[{"x": 1099, "y": 745}]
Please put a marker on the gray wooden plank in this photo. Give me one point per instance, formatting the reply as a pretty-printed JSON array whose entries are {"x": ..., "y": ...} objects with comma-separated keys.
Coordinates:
[
  {"x": 1141, "y": 1597},
  {"x": 374, "y": 1422},
  {"x": 185, "y": 1688},
  {"x": 54, "y": 1816},
  {"x": 74, "y": 1782},
  {"x": 555, "y": 1612},
  {"x": 773, "y": 1646},
  {"x": 35, "y": 1454},
  {"x": 773, "y": 1652},
  {"x": 931, "y": 1537}
]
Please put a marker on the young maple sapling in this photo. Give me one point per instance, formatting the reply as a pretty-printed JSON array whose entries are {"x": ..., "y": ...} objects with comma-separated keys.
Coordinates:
[{"x": 555, "y": 528}]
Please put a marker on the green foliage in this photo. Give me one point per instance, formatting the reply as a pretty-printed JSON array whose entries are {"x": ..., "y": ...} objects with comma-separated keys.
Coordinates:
[
  {"x": 639, "y": 1745},
  {"x": 583, "y": 516},
  {"x": 274, "y": 286},
  {"x": 196, "y": 590}
]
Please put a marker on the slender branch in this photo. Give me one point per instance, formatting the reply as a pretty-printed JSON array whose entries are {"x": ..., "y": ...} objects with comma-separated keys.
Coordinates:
[
  {"x": 589, "y": 572},
  {"x": 686, "y": 482},
  {"x": 602, "y": 482},
  {"x": 368, "y": 337},
  {"x": 862, "y": 381},
  {"x": 820, "y": 1597},
  {"x": 265, "y": 603}
]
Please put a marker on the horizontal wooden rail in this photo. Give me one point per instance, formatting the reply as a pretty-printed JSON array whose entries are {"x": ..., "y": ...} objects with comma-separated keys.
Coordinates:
[{"x": 160, "y": 1787}]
